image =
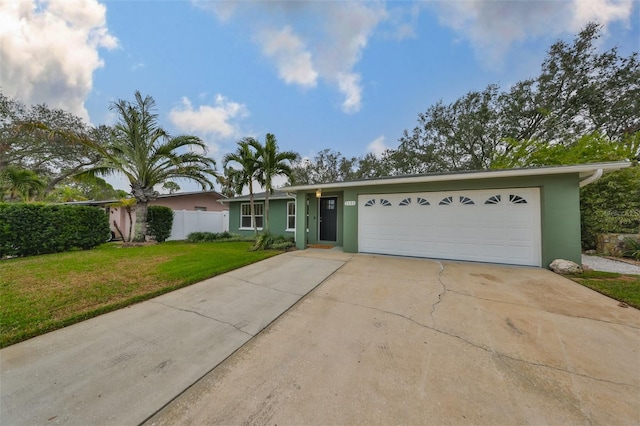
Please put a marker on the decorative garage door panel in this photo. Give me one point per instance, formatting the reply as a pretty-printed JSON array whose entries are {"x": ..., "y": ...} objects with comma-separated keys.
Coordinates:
[{"x": 499, "y": 226}]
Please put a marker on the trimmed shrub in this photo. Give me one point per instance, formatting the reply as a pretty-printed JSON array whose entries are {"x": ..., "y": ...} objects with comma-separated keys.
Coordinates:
[
  {"x": 273, "y": 242},
  {"x": 159, "y": 222},
  {"x": 31, "y": 229},
  {"x": 208, "y": 237}
]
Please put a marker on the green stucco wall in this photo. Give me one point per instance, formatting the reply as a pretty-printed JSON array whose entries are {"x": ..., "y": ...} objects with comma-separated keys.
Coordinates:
[
  {"x": 277, "y": 218},
  {"x": 560, "y": 204},
  {"x": 559, "y": 200}
]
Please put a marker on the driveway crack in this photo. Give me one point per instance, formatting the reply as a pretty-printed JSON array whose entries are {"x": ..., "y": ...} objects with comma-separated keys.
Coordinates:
[
  {"x": 444, "y": 290},
  {"x": 266, "y": 286},
  {"x": 501, "y": 356},
  {"x": 203, "y": 316}
]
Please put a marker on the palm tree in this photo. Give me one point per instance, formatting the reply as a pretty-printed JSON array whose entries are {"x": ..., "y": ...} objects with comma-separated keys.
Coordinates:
[
  {"x": 271, "y": 163},
  {"x": 147, "y": 155},
  {"x": 226, "y": 181},
  {"x": 239, "y": 178},
  {"x": 20, "y": 183}
]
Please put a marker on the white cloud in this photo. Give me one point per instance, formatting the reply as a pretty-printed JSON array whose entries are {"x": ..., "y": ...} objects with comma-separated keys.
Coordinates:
[
  {"x": 311, "y": 41},
  {"x": 348, "y": 26},
  {"x": 290, "y": 55},
  {"x": 493, "y": 26},
  {"x": 224, "y": 10},
  {"x": 403, "y": 20},
  {"x": 377, "y": 146},
  {"x": 349, "y": 86},
  {"x": 50, "y": 50},
  {"x": 603, "y": 11},
  {"x": 210, "y": 122}
]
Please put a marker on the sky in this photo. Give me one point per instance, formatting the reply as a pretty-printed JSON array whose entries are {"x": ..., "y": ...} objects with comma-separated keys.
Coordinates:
[{"x": 345, "y": 75}]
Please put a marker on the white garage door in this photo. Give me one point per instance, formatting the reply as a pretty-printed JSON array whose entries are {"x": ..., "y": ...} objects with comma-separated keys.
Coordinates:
[{"x": 498, "y": 226}]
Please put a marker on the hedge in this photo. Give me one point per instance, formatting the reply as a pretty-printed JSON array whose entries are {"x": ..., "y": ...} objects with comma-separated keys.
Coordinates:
[
  {"x": 31, "y": 229},
  {"x": 159, "y": 222}
]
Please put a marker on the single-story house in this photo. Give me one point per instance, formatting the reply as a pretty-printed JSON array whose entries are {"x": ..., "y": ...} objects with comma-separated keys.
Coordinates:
[
  {"x": 190, "y": 201},
  {"x": 282, "y": 213},
  {"x": 204, "y": 201},
  {"x": 528, "y": 216}
]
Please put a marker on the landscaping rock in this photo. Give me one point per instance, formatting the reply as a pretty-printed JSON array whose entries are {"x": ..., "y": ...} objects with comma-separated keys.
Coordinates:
[
  {"x": 565, "y": 267},
  {"x": 614, "y": 244}
]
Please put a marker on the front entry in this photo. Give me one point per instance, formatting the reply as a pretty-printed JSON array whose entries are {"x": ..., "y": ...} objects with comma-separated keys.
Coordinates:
[{"x": 328, "y": 218}]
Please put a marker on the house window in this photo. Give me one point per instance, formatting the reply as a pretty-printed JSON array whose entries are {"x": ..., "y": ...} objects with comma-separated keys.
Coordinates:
[
  {"x": 200, "y": 209},
  {"x": 466, "y": 200},
  {"x": 516, "y": 199},
  {"x": 446, "y": 201},
  {"x": 291, "y": 215},
  {"x": 495, "y": 199},
  {"x": 245, "y": 215}
]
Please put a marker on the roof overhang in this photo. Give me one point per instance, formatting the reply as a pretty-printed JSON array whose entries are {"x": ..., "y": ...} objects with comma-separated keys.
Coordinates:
[
  {"x": 584, "y": 171},
  {"x": 182, "y": 194},
  {"x": 260, "y": 197}
]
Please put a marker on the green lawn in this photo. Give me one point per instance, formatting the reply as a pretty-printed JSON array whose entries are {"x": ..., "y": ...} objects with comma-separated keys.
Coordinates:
[
  {"x": 625, "y": 288},
  {"x": 42, "y": 293}
]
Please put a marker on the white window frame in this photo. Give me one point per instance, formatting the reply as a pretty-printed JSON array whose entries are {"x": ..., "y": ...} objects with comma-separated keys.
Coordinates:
[
  {"x": 289, "y": 216},
  {"x": 259, "y": 207}
]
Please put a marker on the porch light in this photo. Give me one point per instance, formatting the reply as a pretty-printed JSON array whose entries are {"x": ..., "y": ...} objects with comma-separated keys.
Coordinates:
[{"x": 318, "y": 193}]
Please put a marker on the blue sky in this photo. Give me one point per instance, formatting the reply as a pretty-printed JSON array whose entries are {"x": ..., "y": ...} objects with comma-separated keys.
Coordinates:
[{"x": 349, "y": 76}]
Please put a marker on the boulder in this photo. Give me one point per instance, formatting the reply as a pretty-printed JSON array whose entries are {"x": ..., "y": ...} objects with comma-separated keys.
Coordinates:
[{"x": 564, "y": 267}]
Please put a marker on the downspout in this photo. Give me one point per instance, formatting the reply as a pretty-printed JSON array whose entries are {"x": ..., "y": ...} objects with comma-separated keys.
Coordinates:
[{"x": 594, "y": 177}]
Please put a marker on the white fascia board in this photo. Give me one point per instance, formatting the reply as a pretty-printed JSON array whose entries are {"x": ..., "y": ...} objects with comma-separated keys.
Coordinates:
[{"x": 584, "y": 170}]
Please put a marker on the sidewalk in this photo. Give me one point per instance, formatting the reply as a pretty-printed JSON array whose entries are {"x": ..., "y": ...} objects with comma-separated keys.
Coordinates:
[{"x": 122, "y": 367}]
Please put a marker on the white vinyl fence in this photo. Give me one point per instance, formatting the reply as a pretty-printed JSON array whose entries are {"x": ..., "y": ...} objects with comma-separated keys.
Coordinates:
[{"x": 186, "y": 222}]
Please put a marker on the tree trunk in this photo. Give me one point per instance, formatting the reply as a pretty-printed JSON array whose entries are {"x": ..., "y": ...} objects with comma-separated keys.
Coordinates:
[
  {"x": 253, "y": 211},
  {"x": 115, "y": 223},
  {"x": 265, "y": 220},
  {"x": 141, "y": 222},
  {"x": 143, "y": 196},
  {"x": 130, "y": 224}
]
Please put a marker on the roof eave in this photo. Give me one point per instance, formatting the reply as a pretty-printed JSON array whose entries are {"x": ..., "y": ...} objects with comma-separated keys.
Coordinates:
[
  {"x": 584, "y": 170},
  {"x": 261, "y": 198}
]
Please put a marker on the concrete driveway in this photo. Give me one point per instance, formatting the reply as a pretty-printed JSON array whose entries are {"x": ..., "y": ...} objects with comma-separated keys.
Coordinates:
[
  {"x": 388, "y": 340},
  {"x": 120, "y": 368}
]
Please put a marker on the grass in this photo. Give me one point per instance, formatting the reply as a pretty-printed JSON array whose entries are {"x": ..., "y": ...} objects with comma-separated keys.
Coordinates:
[
  {"x": 43, "y": 293},
  {"x": 621, "y": 287}
]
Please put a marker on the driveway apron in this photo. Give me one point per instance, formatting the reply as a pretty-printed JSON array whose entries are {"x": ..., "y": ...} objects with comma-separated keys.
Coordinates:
[
  {"x": 391, "y": 340},
  {"x": 121, "y": 367}
]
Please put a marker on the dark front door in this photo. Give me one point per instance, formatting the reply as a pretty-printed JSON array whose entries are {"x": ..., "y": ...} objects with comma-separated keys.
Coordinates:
[{"x": 328, "y": 218}]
